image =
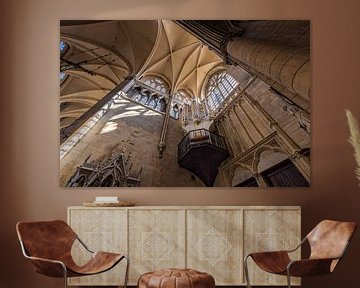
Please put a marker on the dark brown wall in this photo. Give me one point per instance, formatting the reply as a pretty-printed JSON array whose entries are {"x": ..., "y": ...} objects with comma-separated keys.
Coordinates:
[{"x": 29, "y": 113}]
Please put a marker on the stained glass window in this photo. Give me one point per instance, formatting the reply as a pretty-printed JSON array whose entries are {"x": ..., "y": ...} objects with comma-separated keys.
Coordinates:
[
  {"x": 63, "y": 47},
  {"x": 220, "y": 86}
]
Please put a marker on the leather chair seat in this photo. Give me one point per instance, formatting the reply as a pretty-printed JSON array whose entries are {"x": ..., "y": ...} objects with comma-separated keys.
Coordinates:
[
  {"x": 176, "y": 278},
  {"x": 48, "y": 245},
  {"x": 272, "y": 262}
]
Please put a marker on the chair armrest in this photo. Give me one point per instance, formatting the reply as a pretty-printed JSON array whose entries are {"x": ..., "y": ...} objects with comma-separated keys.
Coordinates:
[
  {"x": 281, "y": 251},
  {"x": 268, "y": 253},
  {"x": 309, "y": 267}
]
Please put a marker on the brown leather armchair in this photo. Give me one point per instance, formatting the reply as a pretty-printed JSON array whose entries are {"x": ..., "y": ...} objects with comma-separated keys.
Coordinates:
[
  {"x": 48, "y": 245},
  {"x": 328, "y": 242}
]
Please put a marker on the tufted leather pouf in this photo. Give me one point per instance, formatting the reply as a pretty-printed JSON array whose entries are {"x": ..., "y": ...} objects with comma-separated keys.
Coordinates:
[{"x": 176, "y": 278}]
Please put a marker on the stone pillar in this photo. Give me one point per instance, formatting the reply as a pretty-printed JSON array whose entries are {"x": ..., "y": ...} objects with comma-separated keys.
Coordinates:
[
  {"x": 193, "y": 109},
  {"x": 287, "y": 66},
  {"x": 184, "y": 115},
  {"x": 227, "y": 136},
  {"x": 260, "y": 180},
  {"x": 149, "y": 99},
  {"x": 241, "y": 132},
  {"x": 157, "y": 102},
  {"x": 162, "y": 143},
  {"x": 302, "y": 163},
  {"x": 205, "y": 104},
  {"x": 235, "y": 135},
  {"x": 260, "y": 111},
  {"x": 248, "y": 139}
]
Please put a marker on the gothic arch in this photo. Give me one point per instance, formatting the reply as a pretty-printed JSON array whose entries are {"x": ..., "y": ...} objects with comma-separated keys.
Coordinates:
[
  {"x": 157, "y": 75},
  {"x": 245, "y": 170},
  {"x": 229, "y": 175},
  {"x": 216, "y": 69},
  {"x": 260, "y": 150}
]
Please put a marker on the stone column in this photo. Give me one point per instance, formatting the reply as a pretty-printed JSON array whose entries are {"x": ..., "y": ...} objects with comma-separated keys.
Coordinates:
[
  {"x": 260, "y": 180},
  {"x": 239, "y": 132},
  {"x": 193, "y": 109},
  {"x": 205, "y": 104},
  {"x": 162, "y": 143},
  {"x": 157, "y": 102},
  {"x": 248, "y": 139},
  {"x": 235, "y": 135},
  {"x": 229, "y": 141},
  {"x": 287, "y": 66}
]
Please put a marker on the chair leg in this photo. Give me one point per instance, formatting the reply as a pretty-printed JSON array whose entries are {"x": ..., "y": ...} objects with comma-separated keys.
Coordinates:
[
  {"x": 246, "y": 270},
  {"x": 126, "y": 271},
  {"x": 288, "y": 278},
  {"x": 65, "y": 275}
]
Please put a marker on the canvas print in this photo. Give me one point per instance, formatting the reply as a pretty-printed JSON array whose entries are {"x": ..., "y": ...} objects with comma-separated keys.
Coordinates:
[{"x": 185, "y": 103}]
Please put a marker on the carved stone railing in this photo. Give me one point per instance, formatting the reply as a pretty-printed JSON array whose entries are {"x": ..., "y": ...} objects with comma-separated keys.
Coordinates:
[{"x": 200, "y": 137}]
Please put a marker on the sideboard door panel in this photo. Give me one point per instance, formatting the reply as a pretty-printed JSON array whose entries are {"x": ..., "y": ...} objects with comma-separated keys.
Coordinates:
[
  {"x": 270, "y": 230},
  {"x": 101, "y": 230},
  {"x": 214, "y": 244},
  {"x": 156, "y": 240},
  {"x": 208, "y": 239}
]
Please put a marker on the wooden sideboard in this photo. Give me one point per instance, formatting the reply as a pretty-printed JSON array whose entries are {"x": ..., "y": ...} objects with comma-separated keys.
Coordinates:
[{"x": 210, "y": 239}]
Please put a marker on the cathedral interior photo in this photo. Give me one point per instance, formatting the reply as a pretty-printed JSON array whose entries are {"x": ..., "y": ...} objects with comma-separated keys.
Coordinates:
[{"x": 175, "y": 103}]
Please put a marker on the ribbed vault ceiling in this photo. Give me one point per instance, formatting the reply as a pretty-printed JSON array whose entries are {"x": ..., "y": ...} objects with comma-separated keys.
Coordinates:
[
  {"x": 180, "y": 59},
  {"x": 108, "y": 51},
  {"x": 111, "y": 50}
]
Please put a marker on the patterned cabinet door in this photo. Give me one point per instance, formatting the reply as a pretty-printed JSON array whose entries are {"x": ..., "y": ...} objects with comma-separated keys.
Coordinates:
[
  {"x": 101, "y": 230},
  {"x": 270, "y": 230},
  {"x": 214, "y": 244},
  {"x": 156, "y": 240}
]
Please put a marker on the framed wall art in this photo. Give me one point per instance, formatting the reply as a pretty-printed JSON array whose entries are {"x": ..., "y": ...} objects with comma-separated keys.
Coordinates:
[{"x": 185, "y": 103}]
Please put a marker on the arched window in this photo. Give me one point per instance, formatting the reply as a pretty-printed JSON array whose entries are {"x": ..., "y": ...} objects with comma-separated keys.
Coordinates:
[
  {"x": 144, "y": 99},
  {"x": 63, "y": 48},
  {"x": 219, "y": 87},
  {"x": 137, "y": 96},
  {"x": 63, "y": 77},
  {"x": 156, "y": 83},
  {"x": 180, "y": 100},
  {"x": 161, "y": 105},
  {"x": 153, "y": 102},
  {"x": 174, "y": 111}
]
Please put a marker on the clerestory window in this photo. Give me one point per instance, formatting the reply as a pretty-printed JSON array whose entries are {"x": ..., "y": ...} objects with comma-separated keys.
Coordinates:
[
  {"x": 219, "y": 87},
  {"x": 63, "y": 48},
  {"x": 156, "y": 83}
]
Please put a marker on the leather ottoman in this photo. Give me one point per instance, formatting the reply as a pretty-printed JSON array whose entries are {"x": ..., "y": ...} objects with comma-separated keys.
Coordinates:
[{"x": 176, "y": 278}]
